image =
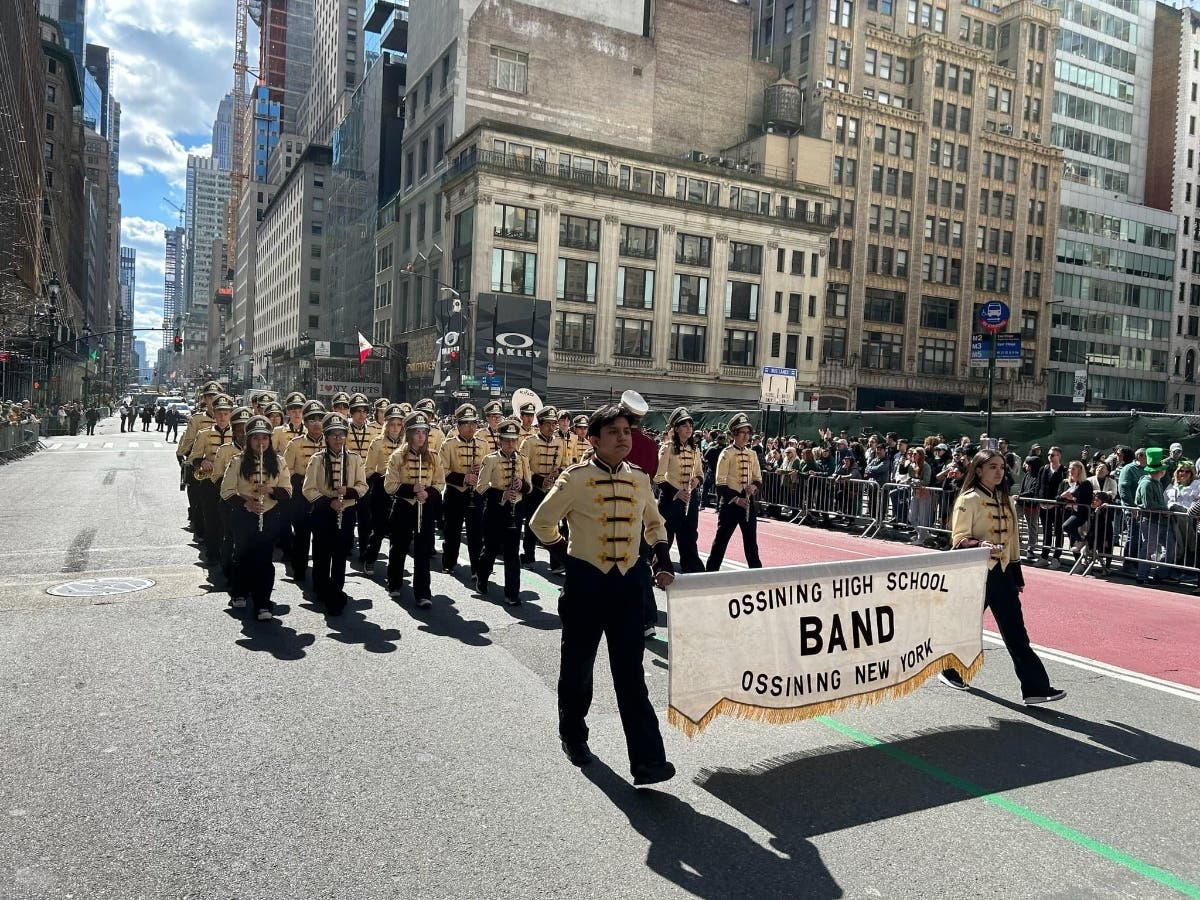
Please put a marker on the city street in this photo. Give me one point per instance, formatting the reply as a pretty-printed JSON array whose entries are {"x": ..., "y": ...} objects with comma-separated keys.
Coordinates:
[{"x": 157, "y": 745}]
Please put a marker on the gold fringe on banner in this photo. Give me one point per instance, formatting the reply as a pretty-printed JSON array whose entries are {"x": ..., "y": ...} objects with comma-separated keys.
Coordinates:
[{"x": 780, "y": 715}]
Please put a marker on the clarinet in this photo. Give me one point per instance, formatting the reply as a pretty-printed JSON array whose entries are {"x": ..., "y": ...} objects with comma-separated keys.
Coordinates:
[
  {"x": 471, "y": 488},
  {"x": 512, "y": 486},
  {"x": 259, "y": 492},
  {"x": 340, "y": 487},
  {"x": 420, "y": 478}
]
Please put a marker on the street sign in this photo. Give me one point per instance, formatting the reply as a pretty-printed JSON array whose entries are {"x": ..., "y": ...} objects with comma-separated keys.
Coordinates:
[
  {"x": 470, "y": 381},
  {"x": 993, "y": 315},
  {"x": 778, "y": 386},
  {"x": 1008, "y": 350},
  {"x": 462, "y": 395}
]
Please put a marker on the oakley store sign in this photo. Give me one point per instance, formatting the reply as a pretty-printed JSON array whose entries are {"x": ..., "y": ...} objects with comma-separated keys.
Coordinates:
[{"x": 512, "y": 339}]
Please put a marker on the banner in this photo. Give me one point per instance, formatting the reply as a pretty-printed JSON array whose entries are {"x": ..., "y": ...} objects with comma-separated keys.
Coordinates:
[
  {"x": 796, "y": 642},
  {"x": 512, "y": 333}
]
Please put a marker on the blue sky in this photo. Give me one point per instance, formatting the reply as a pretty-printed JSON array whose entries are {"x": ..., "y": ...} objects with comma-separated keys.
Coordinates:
[{"x": 172, "y": 65}]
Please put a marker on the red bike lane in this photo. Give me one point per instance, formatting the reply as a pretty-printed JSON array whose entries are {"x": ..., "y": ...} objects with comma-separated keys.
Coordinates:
[{"x": 1146, "y": 630}]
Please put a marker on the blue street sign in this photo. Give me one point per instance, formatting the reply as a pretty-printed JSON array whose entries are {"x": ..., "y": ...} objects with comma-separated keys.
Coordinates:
[
  {"x": 773, "y": 370},
  {"x": 993, "y": 315},
  {"x": 1008, "y": 350}
]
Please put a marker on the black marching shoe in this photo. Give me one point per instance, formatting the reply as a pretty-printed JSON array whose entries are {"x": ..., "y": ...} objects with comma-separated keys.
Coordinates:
[
  {"x": 653, "y": 773},
  {"x": 481, "y": 586},
  {"x": 579, "y": 754}
]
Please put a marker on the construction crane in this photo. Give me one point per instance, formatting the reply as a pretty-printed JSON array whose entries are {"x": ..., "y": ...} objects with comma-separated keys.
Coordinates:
[
  {"x": 237, "y": 175},
  {"x": 177, "y": 207}
]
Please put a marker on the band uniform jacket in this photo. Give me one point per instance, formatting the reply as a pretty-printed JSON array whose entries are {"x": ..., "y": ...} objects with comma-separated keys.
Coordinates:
[
  {"x": 736, "y": 470},
  {"x": 676, "y": 470},
  {"x": 359, "y": 440},
  {"x": 225, "y": 454},
  {"x": 576, "y": 447},
  {"x": 459, "y": 455},
  {"x": 499, "y": 471},
  {"x": 208, "y": 442},
  {"x": 437, "y": 437},
  {"x": 283, "y": 435},
  {"x": 546, "y": 456},
  {"x": 348, "y": 470},
  {"x": 379, "y": 454},
  {"x": 234, "y": 485},
  {"x": 490, "y": 438},
  {"x": 985, "y": 517},
  {"x": 606, "y": 510},
  {"x": 299, "y": 452},
  {"x": 405, "y": 469},
  {"x": 195, "y": 424}
]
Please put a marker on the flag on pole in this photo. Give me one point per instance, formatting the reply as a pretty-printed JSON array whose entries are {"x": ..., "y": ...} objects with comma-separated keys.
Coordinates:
[{"x": 364, "y": 350}]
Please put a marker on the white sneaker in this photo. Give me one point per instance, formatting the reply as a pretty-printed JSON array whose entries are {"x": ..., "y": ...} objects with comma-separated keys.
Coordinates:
[
  {"x": 264, "y": 615},
  {"x": 395, "y": 593},
  {"x": 953, "y": 681},
  {"x": 1051, "y": 697},
  {"x": 238, "y": 602}
]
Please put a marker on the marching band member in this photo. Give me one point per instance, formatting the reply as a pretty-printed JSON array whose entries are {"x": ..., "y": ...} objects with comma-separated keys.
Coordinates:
[
  {"x": 294, "y": 427},
  {"x": 380, "y": 500},
  {"x": 609, "y": 505},
  {"x": 415, "y": 478},
  {"x": 462, "y": 458},
  {"x": 739, "y": 478},
  {"x": 361, "y": 436},
  {"x": 273, "y": 413},
  {"x": 579, "y": 442},
  {"x": 255, "y": 488},
  {"x": 527, "y": 413},
  {"x": 493, "y": 412},
  {"x": 340, "y": 404},
  {"x": 679, "y": 475},
  {"x": 379, "y": 418},
  {"x": 547, "y": 457},
  {"x": 437, "y": 437},
  {"x": 300, "y": 452},
  {"x": 203, "y": 460},
  {"x": 333, "y": 483},
  {"x": 503, "y": 482},
  {"x": 265, "y": 399},
  {"x": 565, "y": 434},
  {"x": 183, "y": 449},
  {"x": 225, "y": 456}
]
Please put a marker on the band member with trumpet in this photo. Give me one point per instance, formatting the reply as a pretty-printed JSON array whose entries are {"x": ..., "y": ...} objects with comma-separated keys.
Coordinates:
[
  {"x": 679, "y": 476},
  {"x": 739, "y": 478},
  {"x": 297, "y": 457},
  {"x": 416, "y": 479},
  {"x": 503, "y": 482},
  {"x": 334, "y": 482},
  {"x": 547, "y": 457},
  {"x": 609, "y": 505},
  {"x": 203, "y": 460},
  {"x": 493, "y": 412},
  {"x": 183, "y": 449},
  {"x": 294, "y": 426},
  {"x": 379, "y": 499},
  {"x": 361, "y": 436},
  {"x": 462, "y": 458},
  {"x": 256, "y": 488}
]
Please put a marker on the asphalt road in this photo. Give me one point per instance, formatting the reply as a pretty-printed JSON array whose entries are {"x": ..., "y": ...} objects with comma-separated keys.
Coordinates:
[{"x": 156, "y": 746}]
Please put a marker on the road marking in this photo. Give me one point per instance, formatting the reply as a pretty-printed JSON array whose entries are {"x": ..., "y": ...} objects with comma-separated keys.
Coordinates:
[
  {"x": 108, "y": 445},
  {"x": 151, "y": 547},
  {"x": 81, "y": 446},
  {"x": 55, "y": 445},
  {"x": 132, "y": 444},
  {"x": 1133, "y": 864}
]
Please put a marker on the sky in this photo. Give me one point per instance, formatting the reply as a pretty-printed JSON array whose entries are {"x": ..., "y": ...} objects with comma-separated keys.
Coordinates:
[{"x": 173, "y": 62}]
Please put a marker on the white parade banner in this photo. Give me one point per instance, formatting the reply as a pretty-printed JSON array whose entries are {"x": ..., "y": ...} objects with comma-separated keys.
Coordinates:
[{"x": 796, "y": 642}]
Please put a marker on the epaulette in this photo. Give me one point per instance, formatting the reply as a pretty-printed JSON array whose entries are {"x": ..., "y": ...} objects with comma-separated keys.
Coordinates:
[{"x": 634, "y": 467}]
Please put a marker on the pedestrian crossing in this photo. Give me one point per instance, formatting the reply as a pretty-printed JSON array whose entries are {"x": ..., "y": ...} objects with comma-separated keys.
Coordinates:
[{"x": 93, "y": 444}]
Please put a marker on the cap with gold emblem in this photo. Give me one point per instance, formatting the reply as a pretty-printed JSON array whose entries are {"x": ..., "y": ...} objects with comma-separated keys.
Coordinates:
[
  {"x": 579, "y": 422},
  {"x": 341, "y": 398},
  {"x": 314, "y": 409},
  {"x": 546, "y": 414},
  {"x": 406, "y": 407},
  {"x": 528, "y": 409},
  {"x": 296, "y": 400},
  {"x": 738, "y": 422},
  {"x": 417, "y": 420},
  {"x": 270, "y": 409},
  {"x": 223, "y": 401},
  {"x": 258, "y": 425},
  {"x": 426, "y": 405},
  {"x": 382, "y": 403},
  {"x": 493, "y": 408},
  {"x": 334, "y": 422},
  {"x": 241, "y": 415},
  {"x": 466, "y": 414},
  {"x": 266, "y": 397},
  {"x": 395, "y": 411},
  {"x": 210, "y": 389},
  {"x": 359, "y": 401},
  {"x": 509, "y": 430},
  {"x": 679, "y": 416},
  {"x": 564, "y": 414}
]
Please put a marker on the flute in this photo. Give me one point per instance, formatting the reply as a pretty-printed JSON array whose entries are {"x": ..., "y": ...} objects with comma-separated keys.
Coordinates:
[
  {"x": 474, "y": 471},
  {"x": 258, "y": 490},
  {"x": 341, "y": 487},
  {"x": 512, "y": 486},
  {"x": 420, "y": 478}
]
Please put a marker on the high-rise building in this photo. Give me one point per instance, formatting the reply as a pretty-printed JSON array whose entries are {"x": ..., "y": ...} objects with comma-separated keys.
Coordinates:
[
  {"x": 285, "y": 54},
  {"x": 1116, "y": 255},
  {"x": 71, "y": 16},
  {"x": 141, "y": 360},
  {"x": 98, "y": 72},
  {"x": 264, "y": 127},
  {"x": 127, "y": 288},
  {"x": 174, "y": 278},
  {"x": 337, "y": 64},
  {"x": 206, "y": 201},
  {"x": 222, "y": 134}
]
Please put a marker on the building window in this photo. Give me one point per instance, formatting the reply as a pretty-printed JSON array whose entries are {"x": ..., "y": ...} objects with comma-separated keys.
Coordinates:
[
  {"x": 639, "y": 242},
  {"x": 697, "y": 190},
  {"x": 739, "y": 347},
  {"x": 745, "y": 258},
  {"x": 575, "y": 332},
  {"x": 513, "y": 271},
  {"x": 882, "y": 350},
  {"x": 633, "y": 337},
  {"x": 884, "y": 306},
  {"x": 509, "y": 70},
  {"x": 690, "y": 295},
  {"x": 516, "y": 223},
  {"x": 439, "y": 143},
  {"x": 51, "y": 93},
  {"x": 314, "y": 321},
  {"x": 635, "y": 287},
  {"x": 793, "y": 313},
  {"x": 48, "y": 148},
  {"x": 693, "y": 250},
  {"x": 445, "y": 71},
  {"x": 688, "y": 342},
  {"x": 49, "y": 121},
  {"x": 940, "y": 313},
  {"x": 314, "y": 274},
  {"x": 837, "y": 299},
  {"x": 833, "y": 343},
  {"x": 424, "y": 164},
  {"x": 741, "y": 301},
  {"x": 579, "y": 233},
  {"x": 576, "y": 280},
  {"x": 936, "y": 356}
]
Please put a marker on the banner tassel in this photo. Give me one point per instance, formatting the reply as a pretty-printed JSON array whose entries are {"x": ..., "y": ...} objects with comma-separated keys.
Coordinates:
[{"x": 779, "y": 716}]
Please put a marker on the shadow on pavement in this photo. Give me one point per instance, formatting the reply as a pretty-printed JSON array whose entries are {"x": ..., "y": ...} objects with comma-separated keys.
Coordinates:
[
  {"x": 444, "y": 620},
  {"x": 352, "y": 627},
  {"x": 711, "y": 858},
  {"x": 271, "y": 636},
  {"x": 530, "y": 614}
]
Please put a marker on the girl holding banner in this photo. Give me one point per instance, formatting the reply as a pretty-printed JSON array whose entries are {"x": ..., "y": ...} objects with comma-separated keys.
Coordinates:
[{"x": 986, "y": 516}]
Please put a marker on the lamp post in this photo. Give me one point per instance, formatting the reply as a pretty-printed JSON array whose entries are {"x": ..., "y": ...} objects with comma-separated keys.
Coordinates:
[{"x": 53, "y": 291}]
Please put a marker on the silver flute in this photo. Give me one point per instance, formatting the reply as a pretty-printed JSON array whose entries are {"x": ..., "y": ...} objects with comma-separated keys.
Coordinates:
[
  {"x": 259, "y": 488},
  {"x": 340, "y": 487},
  {"x": 417, "y": 486}
]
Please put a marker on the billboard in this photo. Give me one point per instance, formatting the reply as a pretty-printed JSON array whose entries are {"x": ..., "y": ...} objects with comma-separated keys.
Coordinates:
[{"x": 512, "y": 336}]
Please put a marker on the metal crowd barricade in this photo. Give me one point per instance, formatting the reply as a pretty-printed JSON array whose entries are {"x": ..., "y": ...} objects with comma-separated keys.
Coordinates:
[
  {"x": 16, "y": 440},
  {"x": 922, "y": 510},
  {"x": 1150, "y": 544},
  {"x": 780, "y": 497},
  {"x": 829, "y": 500}
]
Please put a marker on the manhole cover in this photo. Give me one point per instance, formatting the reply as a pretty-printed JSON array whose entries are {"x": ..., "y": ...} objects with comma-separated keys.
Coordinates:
[{"x": 100, "y": 587}]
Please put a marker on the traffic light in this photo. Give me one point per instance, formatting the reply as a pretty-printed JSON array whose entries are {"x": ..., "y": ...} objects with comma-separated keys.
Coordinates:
[
  {"x": 452, "y": 359},
  {"x": 178, "y": 344},
  {"x": 95, "y": 355}
]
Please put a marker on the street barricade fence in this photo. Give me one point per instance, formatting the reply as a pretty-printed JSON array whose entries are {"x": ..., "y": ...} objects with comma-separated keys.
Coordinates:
[{"x": 16, "y": 440}]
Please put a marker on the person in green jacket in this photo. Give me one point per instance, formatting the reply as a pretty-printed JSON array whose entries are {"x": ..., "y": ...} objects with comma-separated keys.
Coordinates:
[{"x": 1151, "y": 497}]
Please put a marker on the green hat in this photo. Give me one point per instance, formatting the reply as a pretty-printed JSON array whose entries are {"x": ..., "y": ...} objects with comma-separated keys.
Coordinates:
[{"x": 1154, "y": 460}]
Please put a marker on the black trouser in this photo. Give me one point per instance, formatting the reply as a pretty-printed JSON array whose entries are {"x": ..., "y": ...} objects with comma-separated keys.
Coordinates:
[
  {"x": 225, "y": 554},
  {"x": 301, "y": 529},
  {"x": 253, "y": 571},
  {"x": 461, "y": 507},
  {"x": 366, "y": 522},
  {"x": 592, "y": 604},
  {"x": 501, "y": 540},
  {"x": 195, "y": 511},
  {"x": 729, "y": 519},
  {"x": 172, "y": 431},
  {"x": 380, "y": 502},
  {"x": 528, "y": 507},
  {"x": 91, "y": 427},
  {"x": 209, "y": 496},
  {"x": 330, "y": 550},
  {"x": 404, "y": 532},
  {"x": 683, "y": 524},
  {"x": 1052, "y": 531}
]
